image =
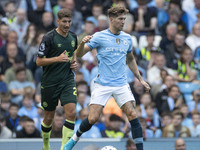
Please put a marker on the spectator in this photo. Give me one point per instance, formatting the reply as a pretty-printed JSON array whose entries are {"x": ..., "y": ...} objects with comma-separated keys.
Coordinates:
[
  {"x": 173, "y": 50},
  {"x": 174, "y": 17},
  {"x": 185, "y": 69},
  {"x": 85, "y": 7},
  {"x": 77, "y": 18},
  {"x": 35, "y": 16},
  {"x": 28, "y": 38},
  {"x": 145, "y": 100},
  {"x": 171, "y": 31},
  {"x": 166, "y": 119},
  {"x": 12, "y": 38},
  {"x": 10, "y": 12},
  {"x": 159, "y": 87},
  {"x": 81, "y": 97},
  {"x": 180, "y": 144},
  {"x": 187, "y": 121},
  {"x": 56, "y": 131},
  {"x": 20, "y": 24},
  {"x": 12, "y": 121},
  {"x": 5, "y": 133},
  {"x": 29, "y": 130},
  {"x": 47, "y": 22},
  {"x": 60, "y": 4},
  {"x": 89, "y": 27},
  {"x": 5, "y": 104},
  {"x": 195, "y": 128},
  {"x": 192, "y": 18},
  {"x": 10, "y": 73},
  {"x": 4, "y": 31},
  {"x": 176, "y": 129},
  {"x": 113, "y": 130},
  {"x": 17, "y": 86},
  {"x": 28, "y": 109},
  {"x": 193, "y": 40},
  {"x": 147, "y": 133},
  {"x": 145, "y": 17},
  {"x": 102, "y": 23},
  {"x": 137, "y": 90},
  {"x": 130, "y": 145},
  {"x": 152, "y": 118},
  {"x": 31, "y": 5},
  {"x": 174, "y": 100},
  {"x": 8, "y": 62},
  {"x": 194, "y": 105},
  {"x": 153, "y": 74},
  {"x": 147, "y": 55},
  {"x": 97, "y": 10}
]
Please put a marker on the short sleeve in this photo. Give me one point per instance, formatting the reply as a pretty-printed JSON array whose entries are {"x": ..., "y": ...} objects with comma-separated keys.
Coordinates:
[
  {"x": 94, "y": 42},
  {"x": 45, "y": 46}
]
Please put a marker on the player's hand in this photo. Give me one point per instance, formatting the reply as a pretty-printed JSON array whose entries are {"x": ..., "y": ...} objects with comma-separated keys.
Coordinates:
[
  {"x": 86, "y": 39},
  {"x": 146, "y": 85},
  {"x": 63, "y": 57},
  {"x": 74, "y": 66}
]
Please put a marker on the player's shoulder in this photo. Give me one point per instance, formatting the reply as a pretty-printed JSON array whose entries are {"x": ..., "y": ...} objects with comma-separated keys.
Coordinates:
[
  {"x": 100, "y": 33},
  {"x": 49, "y": 34},
  {"x": 73, "y": 34},
  {"x": 122, "y": 33}
]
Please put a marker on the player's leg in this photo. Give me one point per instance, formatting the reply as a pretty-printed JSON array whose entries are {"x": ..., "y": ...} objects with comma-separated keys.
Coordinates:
[
  {"x": 125, "y": 100},
  {"x": 68, "y": 127},
  {"x": 48, "y": 103},
  {"x": 136, "y": 129},
  {"x": 46, "y": 127},
  {"x": 68, "y": 101},
  {"x": 93, "y": 117},
  {"x": 100, "y": 96}
]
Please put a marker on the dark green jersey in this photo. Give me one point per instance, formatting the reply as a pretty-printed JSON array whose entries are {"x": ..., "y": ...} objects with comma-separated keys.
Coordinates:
[{"x": 52, "y": 45}]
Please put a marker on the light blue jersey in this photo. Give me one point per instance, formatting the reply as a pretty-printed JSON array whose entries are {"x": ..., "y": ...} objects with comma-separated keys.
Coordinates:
[{"x": 111, "y": 56}]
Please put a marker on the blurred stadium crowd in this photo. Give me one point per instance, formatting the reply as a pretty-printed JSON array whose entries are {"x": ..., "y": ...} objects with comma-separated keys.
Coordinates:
[{"x": 166, "y": 45}]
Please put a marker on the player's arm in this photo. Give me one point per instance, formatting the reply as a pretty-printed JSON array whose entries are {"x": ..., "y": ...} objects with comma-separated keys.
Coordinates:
[
  {"x": 83, "y": 48},
  {"x": 43, "y": 61},
  {"x": 133, "y": 66}
]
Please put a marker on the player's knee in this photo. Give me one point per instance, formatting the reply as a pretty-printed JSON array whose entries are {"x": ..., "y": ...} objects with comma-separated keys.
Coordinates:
[
  {"x": 131, "y": 114},
  {"x": 71, "y": 114},
  {"x": 93, "y": 119}
]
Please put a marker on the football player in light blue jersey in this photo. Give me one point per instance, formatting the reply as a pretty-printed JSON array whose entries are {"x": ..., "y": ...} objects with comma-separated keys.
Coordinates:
[{"x": 114, "y": 47}]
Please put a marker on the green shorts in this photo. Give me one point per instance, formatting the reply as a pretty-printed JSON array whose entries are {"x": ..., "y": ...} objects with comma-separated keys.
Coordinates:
[{"x": 67, "y": 93}]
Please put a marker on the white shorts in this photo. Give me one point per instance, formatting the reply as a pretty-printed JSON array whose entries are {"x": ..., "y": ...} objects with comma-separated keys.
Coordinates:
[{"x": 101, "y": 94}]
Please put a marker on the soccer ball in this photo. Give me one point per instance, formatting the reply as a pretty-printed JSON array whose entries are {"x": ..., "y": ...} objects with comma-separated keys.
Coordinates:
[{"x": 109, "y": 148}]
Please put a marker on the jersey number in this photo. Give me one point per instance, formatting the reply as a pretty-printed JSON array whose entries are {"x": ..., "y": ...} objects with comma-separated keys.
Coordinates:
[{"x": 75, "y": 91}]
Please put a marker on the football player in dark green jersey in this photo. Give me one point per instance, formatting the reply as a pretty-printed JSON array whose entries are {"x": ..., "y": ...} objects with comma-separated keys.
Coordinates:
[{"x": 57, "y": 56}]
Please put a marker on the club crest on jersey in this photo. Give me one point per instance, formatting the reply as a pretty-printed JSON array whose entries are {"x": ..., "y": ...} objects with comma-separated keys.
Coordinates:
[
  {"x": 118, "y": 41},
  {"x": 42, "y": 47},
  {"x": 59, "y": 45},
  {"x": 73, "y": 43}
]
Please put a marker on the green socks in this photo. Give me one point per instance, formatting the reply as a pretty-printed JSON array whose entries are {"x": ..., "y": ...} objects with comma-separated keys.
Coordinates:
[
  {"x": 67, "y": 132},
  {"x": 46, "y": 132}
]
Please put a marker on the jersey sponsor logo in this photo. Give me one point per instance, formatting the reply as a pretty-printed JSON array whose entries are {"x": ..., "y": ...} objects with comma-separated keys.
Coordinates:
[
  {"x": 73, "y": 43},
  {"x": 125, "y": 42},
  {"x": 59, "y": 45},
  {"x": 42, "y": 47},
  {"x": 118, "y": 41}
]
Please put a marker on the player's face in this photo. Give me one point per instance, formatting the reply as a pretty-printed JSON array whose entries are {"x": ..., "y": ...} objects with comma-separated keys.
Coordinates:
[
  {"x": 118, "y": 22},
  {"x": 64, "y": 24}
]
